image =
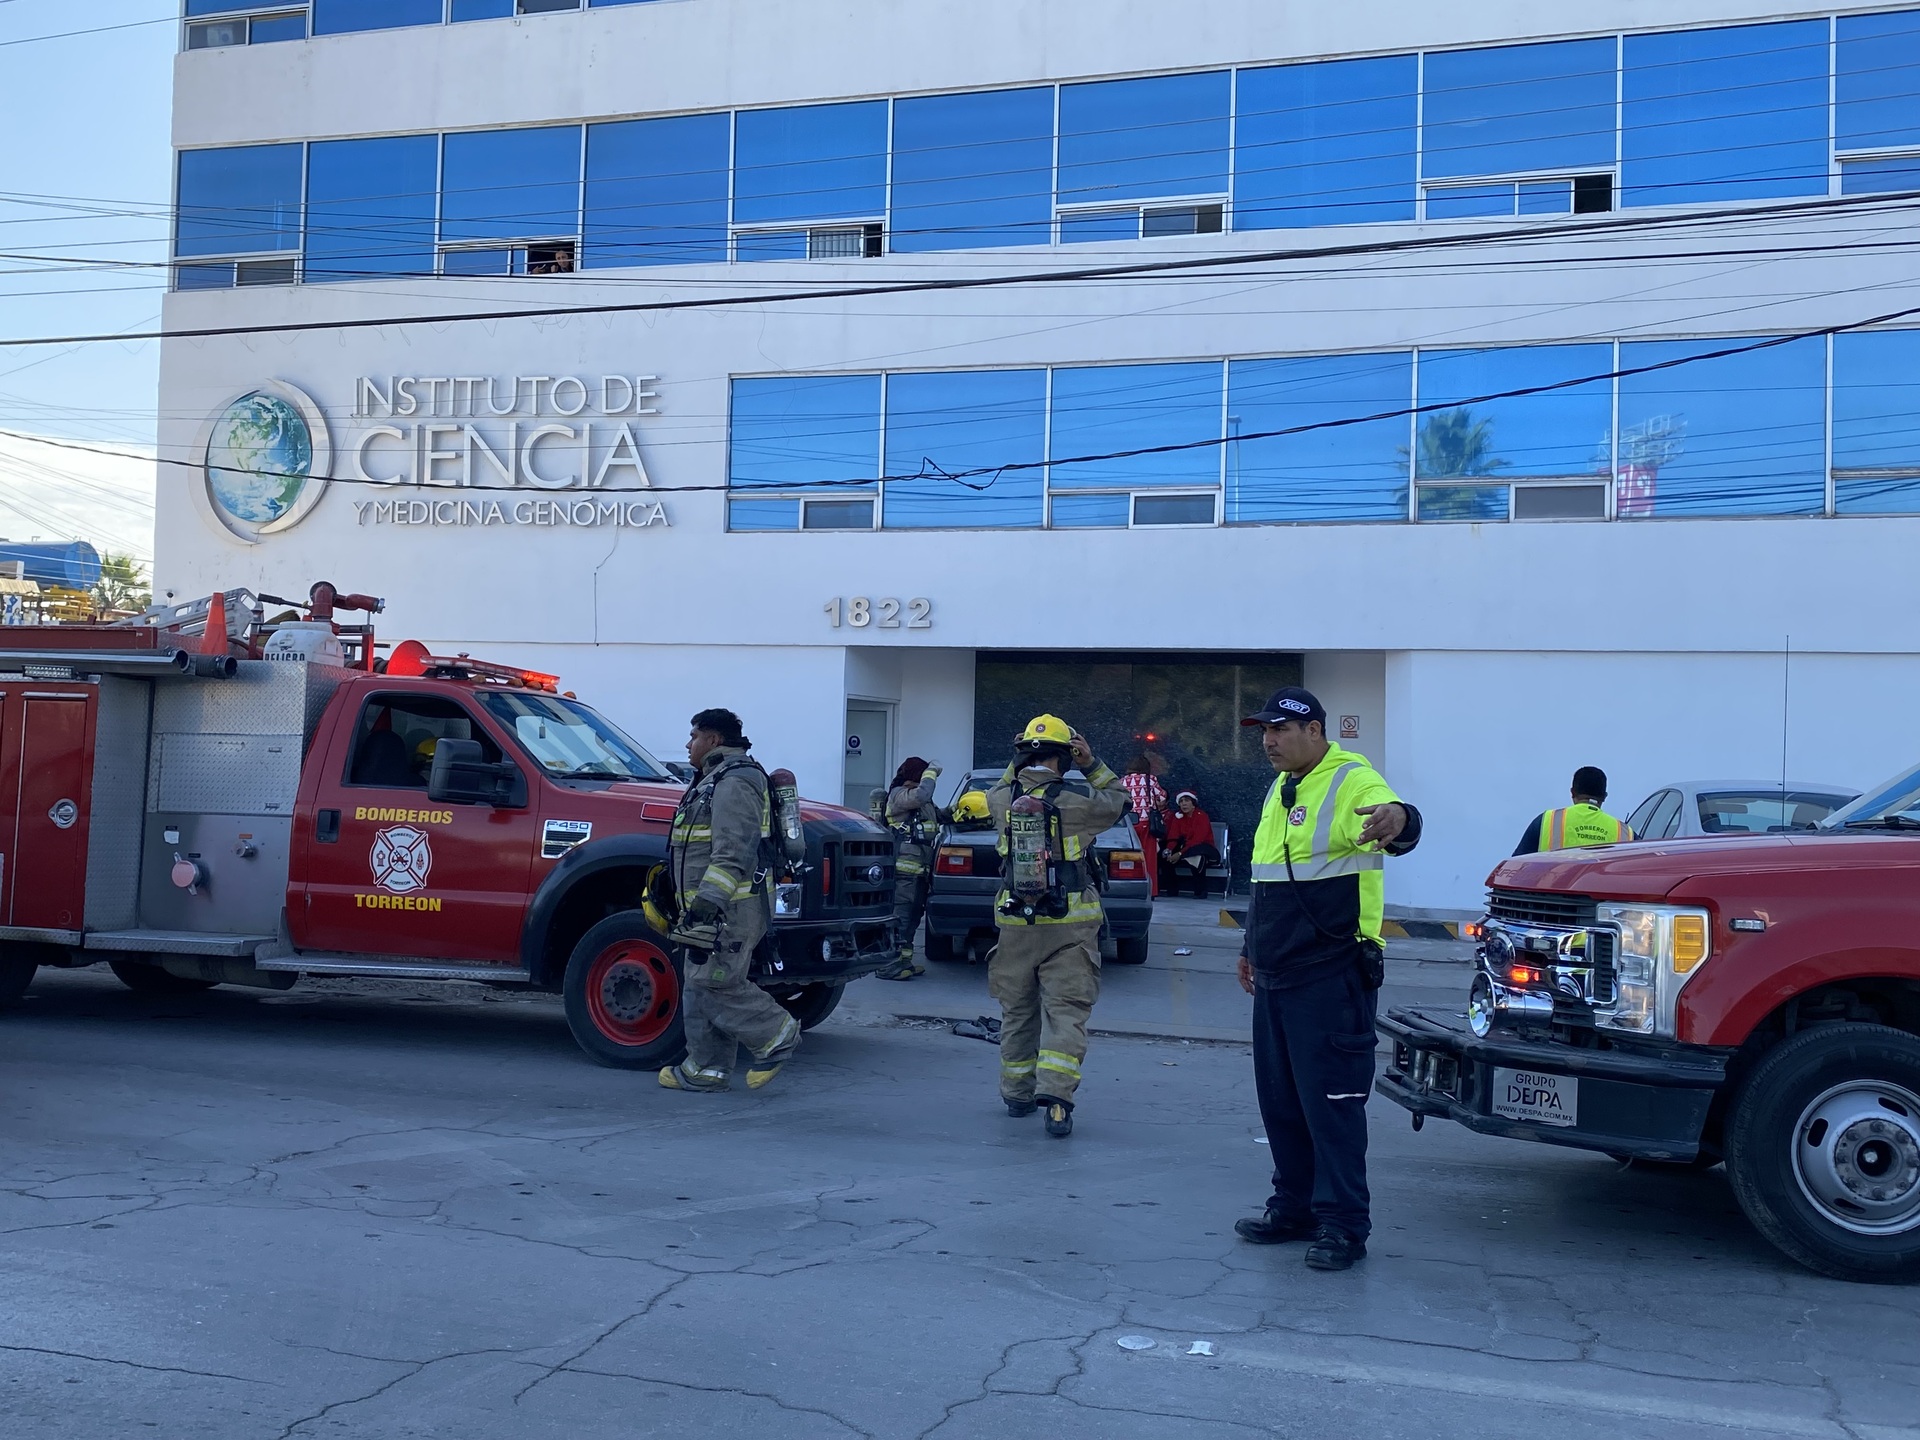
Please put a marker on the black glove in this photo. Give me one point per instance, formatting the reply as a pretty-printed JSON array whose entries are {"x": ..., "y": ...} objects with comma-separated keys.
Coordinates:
[{"x": 704, "y": 911}]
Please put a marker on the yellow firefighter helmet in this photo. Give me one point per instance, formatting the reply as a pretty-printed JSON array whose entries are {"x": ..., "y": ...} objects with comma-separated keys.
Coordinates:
[
  {"x": 1046, "y": 730},
  {"x": 970, "y": 808}
]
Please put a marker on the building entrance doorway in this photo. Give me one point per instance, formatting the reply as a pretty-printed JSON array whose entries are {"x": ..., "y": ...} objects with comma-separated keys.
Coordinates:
[
  {"x": 869, "y": 729},
  {"x": 1182, "y": 714}
]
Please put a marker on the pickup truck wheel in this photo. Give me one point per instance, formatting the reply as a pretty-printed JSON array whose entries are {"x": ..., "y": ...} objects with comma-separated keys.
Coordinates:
[
  {"x": 1132, "y": 950},
  {"x": 809, "y": 1004},
  {"x": 1824, "y": 1151},
  {"x": 17, "y": 964},
  {"x": 152, "y": 980},
  {"x": 622, "y": 996},
  {"x": 941, "y": 949}
]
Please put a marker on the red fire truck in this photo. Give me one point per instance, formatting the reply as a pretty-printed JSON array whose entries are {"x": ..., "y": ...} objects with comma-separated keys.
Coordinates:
[
  {"x": 208, "y": 797},
  {"x": 1752, "y": 999}
]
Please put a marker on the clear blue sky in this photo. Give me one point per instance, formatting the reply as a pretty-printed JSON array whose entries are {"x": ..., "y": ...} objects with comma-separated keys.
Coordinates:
[{"x": 83, "y": 173}]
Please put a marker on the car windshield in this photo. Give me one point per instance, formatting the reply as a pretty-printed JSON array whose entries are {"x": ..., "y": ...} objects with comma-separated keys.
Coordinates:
[
  {"x": 569, "y": 741},
  {"x": 1751, "y": 812},
  {"x": 1894, "y": 805}
]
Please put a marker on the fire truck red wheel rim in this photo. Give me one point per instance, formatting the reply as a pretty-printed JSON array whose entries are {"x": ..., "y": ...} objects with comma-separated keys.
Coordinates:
[{"x": 632, "y": 992}]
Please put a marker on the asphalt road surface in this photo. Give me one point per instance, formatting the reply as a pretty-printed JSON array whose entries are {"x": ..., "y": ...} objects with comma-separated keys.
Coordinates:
[{"x": 375, "y": 1209}]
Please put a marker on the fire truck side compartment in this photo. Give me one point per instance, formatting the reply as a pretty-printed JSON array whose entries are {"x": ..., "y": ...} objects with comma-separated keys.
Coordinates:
[
  {"x": 223, "y": 775},
  {"x": 122, "y": 714}
]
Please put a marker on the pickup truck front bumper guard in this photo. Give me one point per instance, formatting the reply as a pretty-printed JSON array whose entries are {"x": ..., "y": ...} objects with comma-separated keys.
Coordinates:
[
  {"x": 1650, "y": 1103},
  {"x": 804, "y": 952}
]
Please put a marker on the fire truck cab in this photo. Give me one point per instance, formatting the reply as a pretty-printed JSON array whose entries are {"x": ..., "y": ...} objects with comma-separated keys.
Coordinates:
[{"x": 199, "y": 816}]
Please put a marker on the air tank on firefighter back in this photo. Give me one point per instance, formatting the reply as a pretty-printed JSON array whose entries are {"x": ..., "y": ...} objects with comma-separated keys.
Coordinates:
[{"x": 69, "y": 564}]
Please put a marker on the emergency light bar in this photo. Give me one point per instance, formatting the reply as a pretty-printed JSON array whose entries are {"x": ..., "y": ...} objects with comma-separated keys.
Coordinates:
[{"x": 411, "y": 658}]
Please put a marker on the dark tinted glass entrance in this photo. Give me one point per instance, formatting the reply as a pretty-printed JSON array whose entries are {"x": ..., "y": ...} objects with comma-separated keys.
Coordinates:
[{"x": 1183, "y": 715}]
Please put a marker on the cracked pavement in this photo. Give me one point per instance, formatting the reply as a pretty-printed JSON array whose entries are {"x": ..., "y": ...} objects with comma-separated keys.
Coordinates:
[{"x": 370, "y": 1209}]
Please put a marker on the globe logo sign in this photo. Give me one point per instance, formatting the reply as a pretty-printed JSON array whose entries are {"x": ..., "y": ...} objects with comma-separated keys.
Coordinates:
[{"x": 268, "y": 456}]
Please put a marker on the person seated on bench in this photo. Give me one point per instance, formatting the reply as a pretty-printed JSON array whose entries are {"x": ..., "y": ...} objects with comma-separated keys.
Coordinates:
[{"x": 1187, "y": 849}]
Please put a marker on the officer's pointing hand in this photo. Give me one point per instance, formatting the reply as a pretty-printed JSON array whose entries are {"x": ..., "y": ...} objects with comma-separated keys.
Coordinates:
[{"x": 1384, "y": 823}]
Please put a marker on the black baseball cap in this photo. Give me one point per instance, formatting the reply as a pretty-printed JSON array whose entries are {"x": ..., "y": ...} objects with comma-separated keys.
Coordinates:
[{"x": 1289, "y": 702}]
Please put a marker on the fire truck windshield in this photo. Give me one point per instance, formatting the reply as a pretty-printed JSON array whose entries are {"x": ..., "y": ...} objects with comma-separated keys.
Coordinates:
[{"x": 569, "y": 741}]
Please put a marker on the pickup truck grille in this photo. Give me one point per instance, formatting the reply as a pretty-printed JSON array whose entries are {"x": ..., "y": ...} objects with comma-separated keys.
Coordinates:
[
  {"x": 1542, "y": 907},
  {"x": 858, "y": 861}
]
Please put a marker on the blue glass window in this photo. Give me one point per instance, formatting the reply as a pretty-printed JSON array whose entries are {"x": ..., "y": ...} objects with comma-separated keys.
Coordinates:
[
  {"x": 763, "y": 514},
  {"x": 973, "y": 171},
  {"x": 1326, "y": 144},
  {"x": 1878, "y": 177},
  {"x": 810, "y": 162},
  {"x": 1730, "y": 114},
  {"x": 1511, "y": 108},
  {"x": 511, "y": 184},
  {"x": 218, "y": 7},
  {"x": 1466, "y": 202},
  {"x": 269, "y": 28},
  {"x": 239, "y": 201},
  {"x": 1876, "y": 423},
  {"x": 370, "y": 207},
  {"x": 1144, "y": 139},
  {"x": 1091, "y": 512},
  {"x": 1877, "y": 87},
  {"x": 1106, "y": 408},
  {"x": 1097, "y": 225},
  {"x": 480, "y": 10},
  {"x": 966, "y": 420},
  {"x": 1340, "y": 465},
  {"x": 1556, "y": 433},
  {"x": 657, "y": 191},
  {"x": 813, "y": 431},
  {"x": 1744, "y": 434},
  {"x": 338, "y": 17}
]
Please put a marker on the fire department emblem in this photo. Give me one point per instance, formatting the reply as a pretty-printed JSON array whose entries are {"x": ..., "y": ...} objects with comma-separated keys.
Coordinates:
[
  {"x": 402, "y": 859},
  {"x": 1299, "y": 815}
]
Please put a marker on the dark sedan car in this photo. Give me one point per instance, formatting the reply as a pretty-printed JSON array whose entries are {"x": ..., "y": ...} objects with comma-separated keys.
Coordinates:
[{"x": 966, "y": 877}]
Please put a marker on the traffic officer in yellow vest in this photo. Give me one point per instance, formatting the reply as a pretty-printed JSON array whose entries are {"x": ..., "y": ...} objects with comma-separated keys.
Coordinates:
[
  {"x": 726, "y": 906},
  {"x": 915, "y": 822},
  {"x": 1581, "y": 824},
  {"x": 1045, "y": 970},
  {"x": 1313, "y": 963}
]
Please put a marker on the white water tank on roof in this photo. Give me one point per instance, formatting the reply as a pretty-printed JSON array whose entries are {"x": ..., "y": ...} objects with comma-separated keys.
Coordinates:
[{"x": 311, "y": 641}]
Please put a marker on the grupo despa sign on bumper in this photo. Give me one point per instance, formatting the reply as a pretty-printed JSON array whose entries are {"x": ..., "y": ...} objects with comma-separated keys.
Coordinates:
[{"x": 544, "y": 451}]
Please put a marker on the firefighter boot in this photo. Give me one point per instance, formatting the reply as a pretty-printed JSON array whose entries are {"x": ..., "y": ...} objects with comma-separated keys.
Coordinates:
[
  {"x": 1059, "y": 1116},
  {"x": 904, "y": 968},
  {"x": 687, "y": 1076},
  {"x": 766, "y": 1063}
]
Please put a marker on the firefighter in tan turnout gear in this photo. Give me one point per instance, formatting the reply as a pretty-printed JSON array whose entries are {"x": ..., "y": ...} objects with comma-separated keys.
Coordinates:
[
  {"x": 915, "y": 822},
  {"x": 725, "y": 901},
  {"x": 1046, "y": 967}
]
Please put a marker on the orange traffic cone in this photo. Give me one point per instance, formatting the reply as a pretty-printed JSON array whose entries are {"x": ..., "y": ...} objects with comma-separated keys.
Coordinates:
[{"x": 213, "y": 641}]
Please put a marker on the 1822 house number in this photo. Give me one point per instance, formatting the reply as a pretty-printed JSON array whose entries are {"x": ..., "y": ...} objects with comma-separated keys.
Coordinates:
[{"x": 860, "y": 612}]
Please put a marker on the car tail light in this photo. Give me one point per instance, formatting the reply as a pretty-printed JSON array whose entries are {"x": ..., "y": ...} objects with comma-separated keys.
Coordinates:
[
  {"x": 954, "y": 860},
  {"x": 1126, "y": 865}
]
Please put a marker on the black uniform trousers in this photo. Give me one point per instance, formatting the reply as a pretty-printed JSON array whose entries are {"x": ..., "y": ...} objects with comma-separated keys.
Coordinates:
[{"x": 1313, "y": 1067}]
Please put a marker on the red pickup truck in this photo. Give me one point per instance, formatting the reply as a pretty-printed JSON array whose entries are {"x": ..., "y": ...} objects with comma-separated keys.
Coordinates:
[
  {"x": 1754, "y": 1000},
  {"x": 196, "y": 818}
]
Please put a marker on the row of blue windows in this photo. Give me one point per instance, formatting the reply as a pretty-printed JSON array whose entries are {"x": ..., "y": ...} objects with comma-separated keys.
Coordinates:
[
  {"x": 1714, "y": 115},
  {"x": 1628, "y": 430},
  {"x": 214, "y": 23}
]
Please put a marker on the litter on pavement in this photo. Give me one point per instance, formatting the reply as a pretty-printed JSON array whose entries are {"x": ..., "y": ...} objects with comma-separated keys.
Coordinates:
[
  {"x": 1200, "y": 1347},
  {"x": 1135, "y": 1342},
  {"x": 985, "y": 1028}
]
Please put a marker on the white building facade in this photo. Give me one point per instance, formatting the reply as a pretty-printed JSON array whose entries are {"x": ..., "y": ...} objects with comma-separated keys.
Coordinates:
[{"x": 890, "y": 372}]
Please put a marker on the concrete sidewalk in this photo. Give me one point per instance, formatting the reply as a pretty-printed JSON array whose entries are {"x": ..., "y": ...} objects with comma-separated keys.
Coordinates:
[{"x": 1183, "y": 996}]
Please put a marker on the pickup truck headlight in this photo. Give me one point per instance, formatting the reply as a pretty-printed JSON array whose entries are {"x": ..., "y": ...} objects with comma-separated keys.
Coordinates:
[
  {"x": 786, "y": 900},
  {"x": 1661, "y": 948}
]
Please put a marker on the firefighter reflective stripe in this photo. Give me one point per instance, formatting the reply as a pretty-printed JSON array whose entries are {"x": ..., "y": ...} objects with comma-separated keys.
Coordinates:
[
  {"x": 1061, "y": 1064},
  {"x": 1578, "y": 826},
  {"x": 906, "y": 865},
  {"x": 1304, "y": 870},
  {"x": 723, "y": 883},
  {"x": 1018, "y": 1067},
  {"x": 1323, "y": 823}
]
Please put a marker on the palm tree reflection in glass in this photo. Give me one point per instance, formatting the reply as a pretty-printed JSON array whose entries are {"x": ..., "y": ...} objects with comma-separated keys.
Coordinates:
[{"x": 1454, "y": 445}]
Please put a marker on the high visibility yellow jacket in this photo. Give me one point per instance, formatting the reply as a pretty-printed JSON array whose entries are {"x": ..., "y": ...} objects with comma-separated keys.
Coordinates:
[
  {"x": 1082, "y": 817},
  {"x": 1305, "y": 924},
  {"x": 1572, "y": 828}
]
